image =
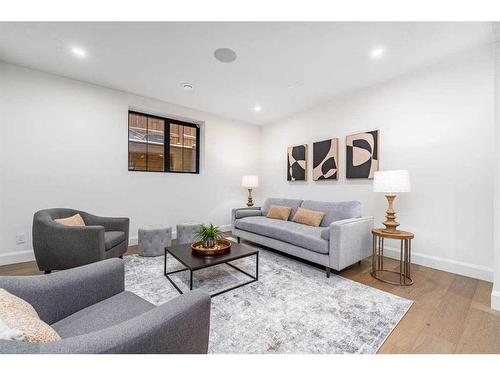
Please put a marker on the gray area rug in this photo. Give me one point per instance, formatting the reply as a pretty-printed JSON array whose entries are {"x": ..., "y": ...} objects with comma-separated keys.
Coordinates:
[{"x": 292, "y": 308}]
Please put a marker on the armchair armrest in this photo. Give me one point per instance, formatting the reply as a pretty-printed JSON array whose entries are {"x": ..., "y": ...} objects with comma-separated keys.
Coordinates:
[
  {"x": 180, "y": 326},
  {"x": 350, "y": 241},
  {"x": 63, "y": 293},
  {"x": 59, "y": 246},
  {"x": 120, "y": 224},
  {"x": 239, "y": 213}
]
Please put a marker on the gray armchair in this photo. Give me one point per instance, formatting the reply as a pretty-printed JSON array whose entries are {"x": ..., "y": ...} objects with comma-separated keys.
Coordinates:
[
  {"x": 93, "y": 314},
  {"x": 59, "y": 247}
]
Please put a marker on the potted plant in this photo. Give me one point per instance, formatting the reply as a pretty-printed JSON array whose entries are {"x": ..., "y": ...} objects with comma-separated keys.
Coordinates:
[{"x": 209, "y": 234}]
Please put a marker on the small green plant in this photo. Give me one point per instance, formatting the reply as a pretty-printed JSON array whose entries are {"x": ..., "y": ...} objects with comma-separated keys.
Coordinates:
[{"x": 209, "y": 234}]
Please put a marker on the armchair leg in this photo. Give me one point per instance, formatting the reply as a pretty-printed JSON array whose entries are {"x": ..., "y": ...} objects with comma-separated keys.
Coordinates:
[
  {"x": 327, "y": 269},
  {"x": 47, "y": 272}
]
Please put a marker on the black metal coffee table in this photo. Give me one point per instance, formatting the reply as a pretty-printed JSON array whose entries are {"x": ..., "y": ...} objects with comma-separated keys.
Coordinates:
[{"x": 193, "y": 262}]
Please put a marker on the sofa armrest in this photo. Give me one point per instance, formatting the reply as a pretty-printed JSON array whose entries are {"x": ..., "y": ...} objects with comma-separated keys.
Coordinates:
[
  {"x": 180, "y": 326},
  {"x": 350, "y": 241},
  {"x": 63, "y": 293},
  {"x": 238, "y": 213}
]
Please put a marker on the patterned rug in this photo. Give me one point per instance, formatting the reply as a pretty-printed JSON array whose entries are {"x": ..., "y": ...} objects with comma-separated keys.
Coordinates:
[{"x": 292, "y": 308}]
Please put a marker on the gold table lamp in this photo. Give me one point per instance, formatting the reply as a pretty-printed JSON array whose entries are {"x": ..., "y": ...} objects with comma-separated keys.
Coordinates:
[
  {"x": 391, "y": 182},
  {"x": 250, "y": 182}
]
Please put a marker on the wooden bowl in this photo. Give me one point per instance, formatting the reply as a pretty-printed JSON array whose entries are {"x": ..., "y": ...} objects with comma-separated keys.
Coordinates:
[{"x": 221, "y": 247}]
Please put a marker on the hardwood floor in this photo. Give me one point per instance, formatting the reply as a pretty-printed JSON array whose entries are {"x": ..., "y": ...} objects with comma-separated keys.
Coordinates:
[{"x": 450, "y": 314}]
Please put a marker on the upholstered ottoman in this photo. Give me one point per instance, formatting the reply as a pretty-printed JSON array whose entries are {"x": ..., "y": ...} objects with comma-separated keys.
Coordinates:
[
  {"x": 186, "y": 232},
  {"x": 153, "y": 239}
]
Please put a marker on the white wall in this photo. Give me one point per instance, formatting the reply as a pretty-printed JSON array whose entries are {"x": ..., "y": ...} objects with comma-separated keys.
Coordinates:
[
  {"x": 495, "y": 293},
  {"x": 63, "y": 143},
  {"x": 439, "y": 124}
]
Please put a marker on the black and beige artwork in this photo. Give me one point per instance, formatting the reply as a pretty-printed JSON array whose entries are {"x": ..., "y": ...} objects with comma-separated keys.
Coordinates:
[
  {"x": 296, "y": 163},
  {"x": 362, "y": 154},
  {"x": 326, "y": 160}
]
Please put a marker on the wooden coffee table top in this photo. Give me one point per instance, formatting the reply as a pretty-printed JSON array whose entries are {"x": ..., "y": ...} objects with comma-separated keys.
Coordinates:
[{"x": 185, "y": 255}]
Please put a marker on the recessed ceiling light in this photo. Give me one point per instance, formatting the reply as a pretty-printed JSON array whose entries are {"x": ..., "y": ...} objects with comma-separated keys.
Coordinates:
[
  {"x": 79, "y": 52},
  {"x": 187, "y": 86},
  {"x": 225, "y": 55},
  {"x": 257, "y": 108},
  {"x": 377, "y": 53}
]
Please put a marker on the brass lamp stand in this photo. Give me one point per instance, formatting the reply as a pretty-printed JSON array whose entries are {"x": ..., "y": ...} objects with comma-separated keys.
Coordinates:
[
  {"x": 250, "y": 200},
  {"x": 250, "y": 182},
  {"x": 390, "y": 218}
]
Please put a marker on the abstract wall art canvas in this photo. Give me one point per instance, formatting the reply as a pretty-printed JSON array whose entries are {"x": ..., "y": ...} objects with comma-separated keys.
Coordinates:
[
  {"x": 297, "y": 163},
  {"x": 362, "y": 154},
  {"x": 326, "y": 160}
]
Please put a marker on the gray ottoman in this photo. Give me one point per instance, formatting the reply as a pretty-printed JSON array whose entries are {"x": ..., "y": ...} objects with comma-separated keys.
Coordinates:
[
  {"x": 153, "y": 239},
  {"x": 186, "y": 232}
]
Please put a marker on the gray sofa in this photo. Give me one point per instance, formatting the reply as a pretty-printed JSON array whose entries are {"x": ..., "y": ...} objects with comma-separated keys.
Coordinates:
[
  {"x": 59, "y": 247},
  {"x": 92, "y": 313},
  {"x": 343, "y": 237}
]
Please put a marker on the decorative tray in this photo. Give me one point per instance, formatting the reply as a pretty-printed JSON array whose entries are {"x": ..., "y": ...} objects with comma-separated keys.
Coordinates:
[{"x": 221, "y": 247}]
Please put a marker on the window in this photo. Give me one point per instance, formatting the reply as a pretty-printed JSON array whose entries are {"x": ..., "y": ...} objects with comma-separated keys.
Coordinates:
[{"x": 157, "y": 144}]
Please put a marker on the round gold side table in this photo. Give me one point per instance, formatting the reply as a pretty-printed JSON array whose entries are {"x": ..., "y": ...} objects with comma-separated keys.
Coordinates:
[{"x": 404, "y": 261}]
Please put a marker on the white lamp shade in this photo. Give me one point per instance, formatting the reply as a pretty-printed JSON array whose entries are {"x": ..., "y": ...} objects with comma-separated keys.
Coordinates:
[
  {"x": 392, "y": 182},
  {"x": 250, "y": 181}
]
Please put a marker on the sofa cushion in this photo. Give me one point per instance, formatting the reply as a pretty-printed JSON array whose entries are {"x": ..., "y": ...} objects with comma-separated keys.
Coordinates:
[
  {"x": 72, "y": 221},
  {"x": 287, "y": 231},
  {"x": 107, "y": 313},
  {"x": 308, "y": 217},
  {"x": 279, "y": 213},
  {"x": 113, "y": 238},
  {"x": 325, "y": 234},
  {"x": 334, "y": 211},
  {"x": 20, "y": 321},
  {"x": 292, "y": 203}
]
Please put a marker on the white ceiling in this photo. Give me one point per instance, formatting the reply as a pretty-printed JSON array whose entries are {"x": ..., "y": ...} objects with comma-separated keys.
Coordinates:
[{"x": 282, "y": 67}]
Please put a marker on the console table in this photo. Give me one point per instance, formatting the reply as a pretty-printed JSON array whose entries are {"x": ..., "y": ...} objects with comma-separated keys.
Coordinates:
[{"x": 378, "y": 270}]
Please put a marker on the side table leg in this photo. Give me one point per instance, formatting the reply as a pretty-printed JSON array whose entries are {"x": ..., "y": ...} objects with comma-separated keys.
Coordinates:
[
  {"x": 382, "y": 254},
  {"x": 374, "y": 245},
  {"x": 401, "y": 261},
  {"x": 409, "y": 258}
]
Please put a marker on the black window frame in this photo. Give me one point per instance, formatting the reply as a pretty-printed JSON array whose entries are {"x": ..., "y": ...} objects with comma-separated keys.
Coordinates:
[{"x": 166, "y": 142}]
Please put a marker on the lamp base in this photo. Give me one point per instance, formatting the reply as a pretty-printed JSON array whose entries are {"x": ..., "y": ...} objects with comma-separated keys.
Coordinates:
[
  {"x": 390, "y": 218},
  {"x": 250, "y": 200}
]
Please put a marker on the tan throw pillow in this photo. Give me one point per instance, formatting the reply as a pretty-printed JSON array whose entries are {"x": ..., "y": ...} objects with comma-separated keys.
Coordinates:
[
  {"x": 72, "y": 221},
  {"x": 308, "y": 217},
  {"x": 19, "y": 315},
  {"x": 279, "y": 212}
]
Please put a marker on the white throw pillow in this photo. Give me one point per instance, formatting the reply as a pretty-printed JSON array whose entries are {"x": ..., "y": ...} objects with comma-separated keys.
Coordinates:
[{"x": 7, "y": 333}]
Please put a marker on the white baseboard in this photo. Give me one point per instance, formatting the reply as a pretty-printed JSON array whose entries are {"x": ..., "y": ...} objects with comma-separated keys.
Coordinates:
[
  {"x": 462, "y": 268},
  {"x": 495, "y": 300},
  {"x": 17, "y": 257}
]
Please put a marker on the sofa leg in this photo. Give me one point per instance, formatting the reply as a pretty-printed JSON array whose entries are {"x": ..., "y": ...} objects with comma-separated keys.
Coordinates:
[
  {"x": 121, "y": 257},
  {"x": 239, "y": 239},
  {"x": 359, "y": 263},
  {"x": 327, "y": 269},
  {"x": 47, "y": 271}
]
